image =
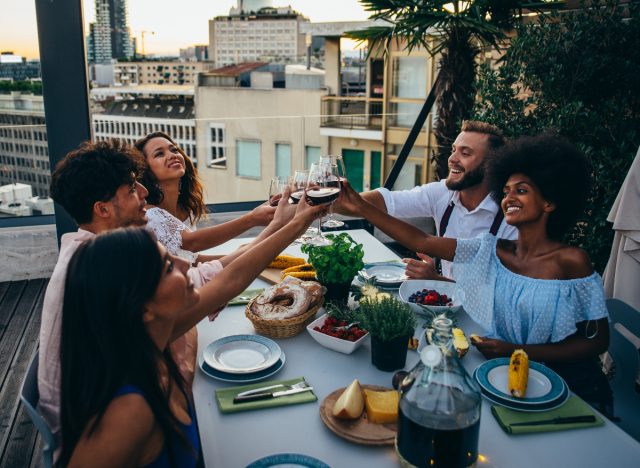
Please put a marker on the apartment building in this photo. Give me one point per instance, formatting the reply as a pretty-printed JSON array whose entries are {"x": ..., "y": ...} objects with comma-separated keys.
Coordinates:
[
  {"x": 24, "y": 155},
  {"x": 270, "y": 34},
  {"x": 247, "y": 135},
  {"x": 169, "y": 72},
  {"x": 132, "y": 118},
  {"x": 109, "y": 36}
]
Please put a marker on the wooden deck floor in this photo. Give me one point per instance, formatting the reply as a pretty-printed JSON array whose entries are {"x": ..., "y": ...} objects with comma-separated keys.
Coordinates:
[{"x": 20, "y": 310}]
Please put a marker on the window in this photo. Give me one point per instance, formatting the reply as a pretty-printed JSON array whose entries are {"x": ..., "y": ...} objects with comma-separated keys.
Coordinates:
[
  {"x": 216, "y": 156},
  {"x": 410, "y": 77},
  {"x": 248, "y": 158},
  {"x": 311, "y": 155},
  {"x": 283, "y": 159}
]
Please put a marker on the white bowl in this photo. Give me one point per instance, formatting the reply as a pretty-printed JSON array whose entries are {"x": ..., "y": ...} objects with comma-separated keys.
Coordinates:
[
  {"x": 331, "y": 342},
  {"x": 443, "y": 287}
]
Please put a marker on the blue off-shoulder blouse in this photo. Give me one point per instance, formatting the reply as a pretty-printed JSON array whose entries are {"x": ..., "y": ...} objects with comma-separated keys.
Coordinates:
[{"x": 519, "y": 309}]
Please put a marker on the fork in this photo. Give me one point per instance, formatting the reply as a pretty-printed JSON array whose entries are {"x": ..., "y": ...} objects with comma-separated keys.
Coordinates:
[{"x": 295, "y": 388}]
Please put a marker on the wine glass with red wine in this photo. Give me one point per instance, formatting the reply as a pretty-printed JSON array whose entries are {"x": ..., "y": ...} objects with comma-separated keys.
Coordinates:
[
  {"x": 323, "y": 188},
  {"x": 331, "y": 222},
  {"x": 298, "y": 185}
]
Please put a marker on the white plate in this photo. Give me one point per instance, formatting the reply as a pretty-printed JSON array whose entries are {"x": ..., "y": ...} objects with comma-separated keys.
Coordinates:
[
  {"x": 241, "y": 378},
  {"x": 242, "y": 354},
  {"x": 387, "y": 274},
  {"x": 538, "y": 385}
]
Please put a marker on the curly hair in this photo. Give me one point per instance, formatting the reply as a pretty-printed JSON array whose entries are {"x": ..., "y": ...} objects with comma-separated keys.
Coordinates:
[
  {"x": 558, "y": 169},
  {"x": 93, "y": 172},
  {"x": 191, "y": 198}
]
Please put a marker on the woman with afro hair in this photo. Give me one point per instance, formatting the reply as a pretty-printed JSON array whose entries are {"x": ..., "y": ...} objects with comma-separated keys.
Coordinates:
[{"x": 535, "y": 293}]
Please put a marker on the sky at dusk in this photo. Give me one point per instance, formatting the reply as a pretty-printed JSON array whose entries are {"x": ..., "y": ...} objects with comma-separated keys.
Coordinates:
[{"x": 176, "y": 24}]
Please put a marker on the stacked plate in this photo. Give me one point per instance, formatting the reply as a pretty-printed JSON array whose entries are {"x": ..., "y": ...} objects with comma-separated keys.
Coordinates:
[
  {"x": 242, "y": 358},
  {"x": 389, "y": 275},
  {"x": 546, "y": 390}
]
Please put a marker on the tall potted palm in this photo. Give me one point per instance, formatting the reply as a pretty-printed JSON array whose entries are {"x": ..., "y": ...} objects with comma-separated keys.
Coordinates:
[{"x": 456, "y": 30}]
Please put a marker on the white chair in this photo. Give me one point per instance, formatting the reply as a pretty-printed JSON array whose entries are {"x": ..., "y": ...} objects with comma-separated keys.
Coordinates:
[
  {"x": 624, "y": 348},
  {"x": 30, "y": 396}
]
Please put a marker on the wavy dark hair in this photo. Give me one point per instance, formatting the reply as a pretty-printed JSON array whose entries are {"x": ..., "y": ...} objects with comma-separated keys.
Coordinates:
[
  {"x": 556, "y": 167},
  {"x": 93, "y": 172},
  {"x": 191, "y": 198},
  {"x": 105, "y": 343}
]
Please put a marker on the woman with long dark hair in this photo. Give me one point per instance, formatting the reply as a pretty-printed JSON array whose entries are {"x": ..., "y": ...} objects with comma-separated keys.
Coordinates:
[
  {"x": 535, "y": 293},
  {"x": 176, "y": 201},
  {"x": 124, "y": 402}
]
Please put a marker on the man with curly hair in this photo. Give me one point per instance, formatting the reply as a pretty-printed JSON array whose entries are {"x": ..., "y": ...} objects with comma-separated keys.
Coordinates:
[{"x": 460, "y": 204}]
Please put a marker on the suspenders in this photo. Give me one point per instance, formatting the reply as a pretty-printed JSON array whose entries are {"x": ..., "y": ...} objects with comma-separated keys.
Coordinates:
[{"x": 444, "y": 222}]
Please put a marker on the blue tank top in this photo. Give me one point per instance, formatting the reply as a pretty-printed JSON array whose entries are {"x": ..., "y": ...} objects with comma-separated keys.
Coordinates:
[{"x": 182, "y": 457}]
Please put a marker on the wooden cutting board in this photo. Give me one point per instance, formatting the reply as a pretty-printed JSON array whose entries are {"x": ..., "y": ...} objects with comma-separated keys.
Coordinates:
[
  {"x": 361, "y": 430},
  {"x": 271, "y": 275}
]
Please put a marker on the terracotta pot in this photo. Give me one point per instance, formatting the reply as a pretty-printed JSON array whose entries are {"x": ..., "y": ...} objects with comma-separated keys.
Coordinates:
[
  {"x": 337, "y": 292},
  {"x": 389, "y": 355}
]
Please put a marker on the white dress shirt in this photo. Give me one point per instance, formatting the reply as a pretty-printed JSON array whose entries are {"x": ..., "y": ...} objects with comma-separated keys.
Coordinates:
[{"x": 431, "y": 200}]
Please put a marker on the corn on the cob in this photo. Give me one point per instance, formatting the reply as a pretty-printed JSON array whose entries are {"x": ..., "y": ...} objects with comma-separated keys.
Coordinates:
[
  {"x": 303, "y": 275},
  {"x": 518, "y": 373},
  {"x": 303, "y": 267},
  {"x": 286, "y": 261}
]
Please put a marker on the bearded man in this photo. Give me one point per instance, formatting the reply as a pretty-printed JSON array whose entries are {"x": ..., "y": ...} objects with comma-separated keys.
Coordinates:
[{"x": 460, "y": 205}]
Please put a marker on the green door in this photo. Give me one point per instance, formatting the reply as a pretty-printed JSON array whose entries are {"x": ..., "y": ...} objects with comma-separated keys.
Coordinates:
[
  {"x": 354, "y": 165},
  {"x": 376, "y": 166}
]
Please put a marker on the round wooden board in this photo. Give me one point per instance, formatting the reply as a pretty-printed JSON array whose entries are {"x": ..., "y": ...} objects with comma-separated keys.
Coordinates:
[{"x": 361, "y": 430}]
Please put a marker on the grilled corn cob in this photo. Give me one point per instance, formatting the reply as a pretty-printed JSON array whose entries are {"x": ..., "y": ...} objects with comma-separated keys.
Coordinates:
[
  {"x": 518, "y": 373},
  {"x": 303, "y": 275},
  {"x": 286, "y": 261},
  {"x": 303, "y": 267}
]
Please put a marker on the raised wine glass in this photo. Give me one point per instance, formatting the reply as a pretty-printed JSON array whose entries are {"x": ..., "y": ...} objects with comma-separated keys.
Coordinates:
[
  {"x": 323, "y": 187},
  {"x": 331, "y": 222},
  {"x": 276, "y": 187}
]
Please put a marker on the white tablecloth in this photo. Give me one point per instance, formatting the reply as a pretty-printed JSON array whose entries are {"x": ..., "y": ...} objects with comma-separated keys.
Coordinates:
[{"x": 235, "y": 440}]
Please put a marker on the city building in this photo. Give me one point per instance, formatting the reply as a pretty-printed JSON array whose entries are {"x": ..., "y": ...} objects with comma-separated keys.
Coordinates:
[
  {"x": 131, "y": 113},
  {"x": 24, "y": 155},
  {"x": 247, "y": 135},
  {"x": 268, "y": 34},
  {"x": 17, "y": 200},
  {"x": 369, "y": 130},
  {"x": 157, "y": 72},
  {"x": 109, "y": 37},
  {"x": 199, "y": 53},
  {"x": 16, "y": 68}
]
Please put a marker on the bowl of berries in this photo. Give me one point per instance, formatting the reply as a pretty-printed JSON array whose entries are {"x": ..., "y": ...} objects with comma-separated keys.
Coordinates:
[
  {"x": 430, "y": 297},
  {"x": 337, "y": 333}
]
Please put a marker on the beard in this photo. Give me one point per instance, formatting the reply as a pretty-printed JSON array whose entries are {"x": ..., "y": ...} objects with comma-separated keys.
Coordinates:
[{"x": 469, "y": 179}]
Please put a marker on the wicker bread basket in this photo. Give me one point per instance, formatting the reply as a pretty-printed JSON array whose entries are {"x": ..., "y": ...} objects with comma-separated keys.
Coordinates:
[{"x": 282, "y": 328}]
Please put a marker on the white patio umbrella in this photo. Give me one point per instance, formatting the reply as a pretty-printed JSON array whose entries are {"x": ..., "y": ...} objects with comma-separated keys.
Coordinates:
[{"x": 622, "y": 275}]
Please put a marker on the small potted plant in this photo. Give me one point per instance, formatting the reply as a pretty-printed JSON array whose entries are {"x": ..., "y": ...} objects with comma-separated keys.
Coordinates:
[
  {"x": 336, "y": 265},
  {"x": 391, "y": 324}
]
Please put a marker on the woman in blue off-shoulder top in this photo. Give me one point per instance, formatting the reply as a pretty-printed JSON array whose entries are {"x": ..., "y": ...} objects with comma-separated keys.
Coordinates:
[{"x": 534, "y": 293}]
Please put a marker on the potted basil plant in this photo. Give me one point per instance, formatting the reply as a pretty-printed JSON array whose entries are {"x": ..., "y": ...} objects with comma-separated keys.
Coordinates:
[
  {"x": 336, "y": 265},
  {"x": 391, "y": 324}
]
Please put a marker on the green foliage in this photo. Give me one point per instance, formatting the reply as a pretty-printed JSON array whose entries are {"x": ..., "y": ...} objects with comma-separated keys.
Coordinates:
[
  {"x": 340, "y": 311},
  {"x": 33, "y": 87},
  {"x": 337, "y": 263},
  {"x": 386, "y": 318},
  {"x": 579, "y": 74}
]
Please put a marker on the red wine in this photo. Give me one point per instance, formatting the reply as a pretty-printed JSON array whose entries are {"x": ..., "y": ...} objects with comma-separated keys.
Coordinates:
[
  {"x": 323, "y": 195},
  {"x": 428, "y": 447},
  {"x": 296, "y": 196}
]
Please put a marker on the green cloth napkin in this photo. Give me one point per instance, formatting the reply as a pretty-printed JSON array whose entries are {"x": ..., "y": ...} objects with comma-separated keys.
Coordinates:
[
  {"x": 245, "y": 296},
  {"x": 225, "y": 397},
  {"x": 575, "y": 406}
]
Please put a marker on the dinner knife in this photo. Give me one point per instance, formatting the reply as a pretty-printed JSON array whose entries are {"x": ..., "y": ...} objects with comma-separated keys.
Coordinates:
[
  {"x": 259, "y": 390},
  {"x": 269, "y": 395},
  {"x": 566, "y": 420}
]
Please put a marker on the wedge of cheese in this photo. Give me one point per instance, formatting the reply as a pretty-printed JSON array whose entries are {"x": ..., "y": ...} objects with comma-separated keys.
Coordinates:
[{"x": 382, "y": 407}]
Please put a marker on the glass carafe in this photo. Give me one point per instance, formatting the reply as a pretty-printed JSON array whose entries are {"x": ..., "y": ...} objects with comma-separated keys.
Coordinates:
[{"x": 439, "y": 413}]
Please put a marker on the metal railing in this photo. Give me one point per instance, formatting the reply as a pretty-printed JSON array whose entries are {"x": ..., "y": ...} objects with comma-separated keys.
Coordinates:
[{"x": 352, "y": 112}]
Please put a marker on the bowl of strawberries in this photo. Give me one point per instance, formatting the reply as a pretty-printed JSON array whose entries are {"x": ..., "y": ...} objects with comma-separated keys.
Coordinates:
[
  {"x": 429, "y": 297},
  {"x": 337, "y": 333}
]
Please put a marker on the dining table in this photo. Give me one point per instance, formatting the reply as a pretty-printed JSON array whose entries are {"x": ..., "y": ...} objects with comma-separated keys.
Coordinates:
[{"x": 237, "y": 439}]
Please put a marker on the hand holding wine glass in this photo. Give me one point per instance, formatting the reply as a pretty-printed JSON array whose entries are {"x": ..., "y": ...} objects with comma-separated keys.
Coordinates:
[
  {"x": 342, "y": 175},
  {"x": 275, "y": 189},
  {"x": 323, "y": 188}
]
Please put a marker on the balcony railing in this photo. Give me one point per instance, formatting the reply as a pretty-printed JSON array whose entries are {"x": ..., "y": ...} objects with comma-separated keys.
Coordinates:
[{"x": 352, "y": 113}]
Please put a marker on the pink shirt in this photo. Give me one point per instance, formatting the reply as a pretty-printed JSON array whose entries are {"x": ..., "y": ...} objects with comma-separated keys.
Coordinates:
[{"x": 184, "y": 349}]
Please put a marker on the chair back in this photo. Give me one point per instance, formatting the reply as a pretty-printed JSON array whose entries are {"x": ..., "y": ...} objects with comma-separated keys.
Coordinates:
[
  {"x": 30, "y": 396},
  {"x": 624, "y": 348}
]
